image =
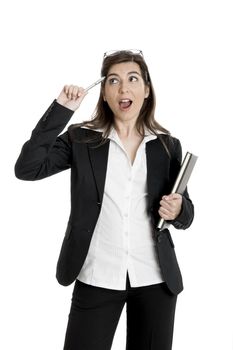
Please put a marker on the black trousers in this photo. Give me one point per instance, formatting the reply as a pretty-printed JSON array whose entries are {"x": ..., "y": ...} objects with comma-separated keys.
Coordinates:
[{"x": 95, "y": 313}]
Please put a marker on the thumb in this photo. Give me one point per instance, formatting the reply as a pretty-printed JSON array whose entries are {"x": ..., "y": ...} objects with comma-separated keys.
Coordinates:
[{"x": 172, "y": 196}]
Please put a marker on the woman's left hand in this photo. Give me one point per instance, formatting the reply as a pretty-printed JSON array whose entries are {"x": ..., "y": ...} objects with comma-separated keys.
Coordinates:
[{"x": 170, "y": 206}]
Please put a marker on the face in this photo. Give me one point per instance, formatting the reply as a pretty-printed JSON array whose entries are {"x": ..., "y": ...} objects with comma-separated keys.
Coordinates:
[{"x": 125, "y": 90}]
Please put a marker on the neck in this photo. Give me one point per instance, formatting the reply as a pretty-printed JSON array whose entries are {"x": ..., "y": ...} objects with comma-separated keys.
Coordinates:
[{"x": 126, "y": 129}]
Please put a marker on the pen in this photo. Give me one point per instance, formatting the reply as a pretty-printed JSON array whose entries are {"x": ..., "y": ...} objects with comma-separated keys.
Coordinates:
[{"x": 94, "y": 84}]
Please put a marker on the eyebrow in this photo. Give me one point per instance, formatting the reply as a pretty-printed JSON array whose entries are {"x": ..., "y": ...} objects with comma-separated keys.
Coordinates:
[{"x": 133, "y": 72}]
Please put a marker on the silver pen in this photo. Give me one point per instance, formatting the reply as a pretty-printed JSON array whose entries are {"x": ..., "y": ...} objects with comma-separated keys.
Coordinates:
[{"x": 94, "y": 84}]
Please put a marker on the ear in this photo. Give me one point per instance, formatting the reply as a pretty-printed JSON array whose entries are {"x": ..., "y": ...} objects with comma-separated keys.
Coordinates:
[
  {"x": 147, "y": 91},
  {"x": 104, "y": 98}
]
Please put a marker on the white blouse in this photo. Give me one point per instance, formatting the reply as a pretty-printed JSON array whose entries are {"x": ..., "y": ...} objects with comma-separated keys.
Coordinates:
[{"x": 122, "y": 240}]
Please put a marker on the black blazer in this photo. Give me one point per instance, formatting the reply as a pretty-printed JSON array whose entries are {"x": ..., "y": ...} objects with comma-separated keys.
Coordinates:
[{"x": 46, "y": 153}]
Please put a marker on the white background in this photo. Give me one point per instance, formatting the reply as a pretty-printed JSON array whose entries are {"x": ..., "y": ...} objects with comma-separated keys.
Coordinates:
[{"x": 188, "y": 48}]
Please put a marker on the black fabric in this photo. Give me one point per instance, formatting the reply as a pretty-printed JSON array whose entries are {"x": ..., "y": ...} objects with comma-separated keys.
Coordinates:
[
  {"x": 47, "y": 153},
  {"x": 95, "y": 313},
  {"x": 168, "y": 262}
]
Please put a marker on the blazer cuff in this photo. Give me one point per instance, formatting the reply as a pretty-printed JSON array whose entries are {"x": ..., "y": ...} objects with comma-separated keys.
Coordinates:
[
  {"x": 57, "y": 110},
  {"x": 185, "y": 218}
]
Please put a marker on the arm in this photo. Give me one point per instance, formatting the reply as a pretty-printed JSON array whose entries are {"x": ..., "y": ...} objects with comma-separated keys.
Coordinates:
[
  {"x": 46, "y": 153},
  {"x": 175, "y": 208},
  {"x": 186, "y": 215}
]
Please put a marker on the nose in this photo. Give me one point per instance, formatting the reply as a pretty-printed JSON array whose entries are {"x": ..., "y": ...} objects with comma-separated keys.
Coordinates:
[{"x": 123, "y": 88}]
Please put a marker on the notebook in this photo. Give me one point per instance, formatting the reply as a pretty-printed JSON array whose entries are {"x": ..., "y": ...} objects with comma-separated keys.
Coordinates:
[{"x": 181, "y": 181}]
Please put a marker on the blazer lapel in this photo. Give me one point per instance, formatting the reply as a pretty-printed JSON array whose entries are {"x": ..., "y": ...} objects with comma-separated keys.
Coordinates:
[
  {"x": 99, "y": 159},
  {"x": 156, "y": 170}
]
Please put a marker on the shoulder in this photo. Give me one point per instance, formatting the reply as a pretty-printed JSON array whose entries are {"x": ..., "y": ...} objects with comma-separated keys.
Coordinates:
[
  {"x": 79, "y": 133},
  {"x": 171, "y": 144},
  {"x": 169, "y": 140}
]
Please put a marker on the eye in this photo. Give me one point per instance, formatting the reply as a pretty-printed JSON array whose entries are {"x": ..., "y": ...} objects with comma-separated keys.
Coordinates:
[
  {"x": 112, "y": 81},
  {"x": 133, "y": 78}
]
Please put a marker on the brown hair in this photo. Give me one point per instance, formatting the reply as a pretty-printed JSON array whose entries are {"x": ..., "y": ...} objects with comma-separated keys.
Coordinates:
[{"x": 103, "y": 117}]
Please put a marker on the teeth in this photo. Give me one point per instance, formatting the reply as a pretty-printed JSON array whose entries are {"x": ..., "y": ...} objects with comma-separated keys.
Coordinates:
[{"x": 126, "y": 100}]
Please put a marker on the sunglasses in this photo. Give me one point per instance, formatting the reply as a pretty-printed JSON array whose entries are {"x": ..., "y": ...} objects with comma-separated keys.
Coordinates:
[{"x": 117, "y": 52}]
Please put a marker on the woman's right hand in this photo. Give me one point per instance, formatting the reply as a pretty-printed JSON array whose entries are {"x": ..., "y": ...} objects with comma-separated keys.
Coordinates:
[{"x": 71, "y": 96}]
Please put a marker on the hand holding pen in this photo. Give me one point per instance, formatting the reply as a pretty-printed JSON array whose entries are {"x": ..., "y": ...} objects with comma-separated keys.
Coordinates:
[{"x": 71, "y": 96}]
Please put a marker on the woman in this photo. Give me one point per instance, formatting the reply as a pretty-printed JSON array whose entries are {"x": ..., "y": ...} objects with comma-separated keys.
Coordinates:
[{"x": 123, "y": 165}]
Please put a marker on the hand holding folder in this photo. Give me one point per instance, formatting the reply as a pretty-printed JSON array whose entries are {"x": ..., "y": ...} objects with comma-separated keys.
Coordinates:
[{"x": 181, "y": 181}]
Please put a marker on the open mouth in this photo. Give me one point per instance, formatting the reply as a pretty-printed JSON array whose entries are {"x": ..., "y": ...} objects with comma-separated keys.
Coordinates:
[{"x": 125, "y": 103}]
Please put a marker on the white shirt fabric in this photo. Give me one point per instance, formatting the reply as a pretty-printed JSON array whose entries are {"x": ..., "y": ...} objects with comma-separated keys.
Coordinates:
[{"x": 122, "y": 240}]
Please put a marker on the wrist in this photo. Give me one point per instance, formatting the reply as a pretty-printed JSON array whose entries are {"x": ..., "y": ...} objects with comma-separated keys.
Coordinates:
[{"x": 65, "y": 105}]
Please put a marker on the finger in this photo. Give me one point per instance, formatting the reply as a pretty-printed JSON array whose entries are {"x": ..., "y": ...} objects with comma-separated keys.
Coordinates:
[
  {"x": 164, "y": 211},
  {"x": 74, "y": 92},
  {"x": 163, "y": 214},
  {"x": 82, "y": 92},
  {"x": 167, "y": 198},
  {"x": 168, "y": 211},
  {"x": 171, "y": 206},
  {"x": 166, "y": 204},
  {"x": 172, "y": 196},
  {"x": 65, "y": 89},
  {"x": 166, "y": 215},
  {"x": 77, "y": 92}
]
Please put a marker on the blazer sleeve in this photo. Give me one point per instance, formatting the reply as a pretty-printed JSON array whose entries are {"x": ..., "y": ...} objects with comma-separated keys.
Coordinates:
[
  {"x": 46, "y": 153},
  {"x": 185, "y": 218}
]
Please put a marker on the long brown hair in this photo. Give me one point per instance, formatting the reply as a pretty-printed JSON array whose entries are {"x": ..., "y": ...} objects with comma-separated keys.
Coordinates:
[{"x": 103, "y": 116}]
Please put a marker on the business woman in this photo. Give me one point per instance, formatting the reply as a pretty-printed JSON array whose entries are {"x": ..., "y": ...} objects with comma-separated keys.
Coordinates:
[{"x": 123, "y": 164}]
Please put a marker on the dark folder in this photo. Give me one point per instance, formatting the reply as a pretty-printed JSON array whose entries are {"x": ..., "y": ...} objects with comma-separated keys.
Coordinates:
[{"x": 181, "y": 181}]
